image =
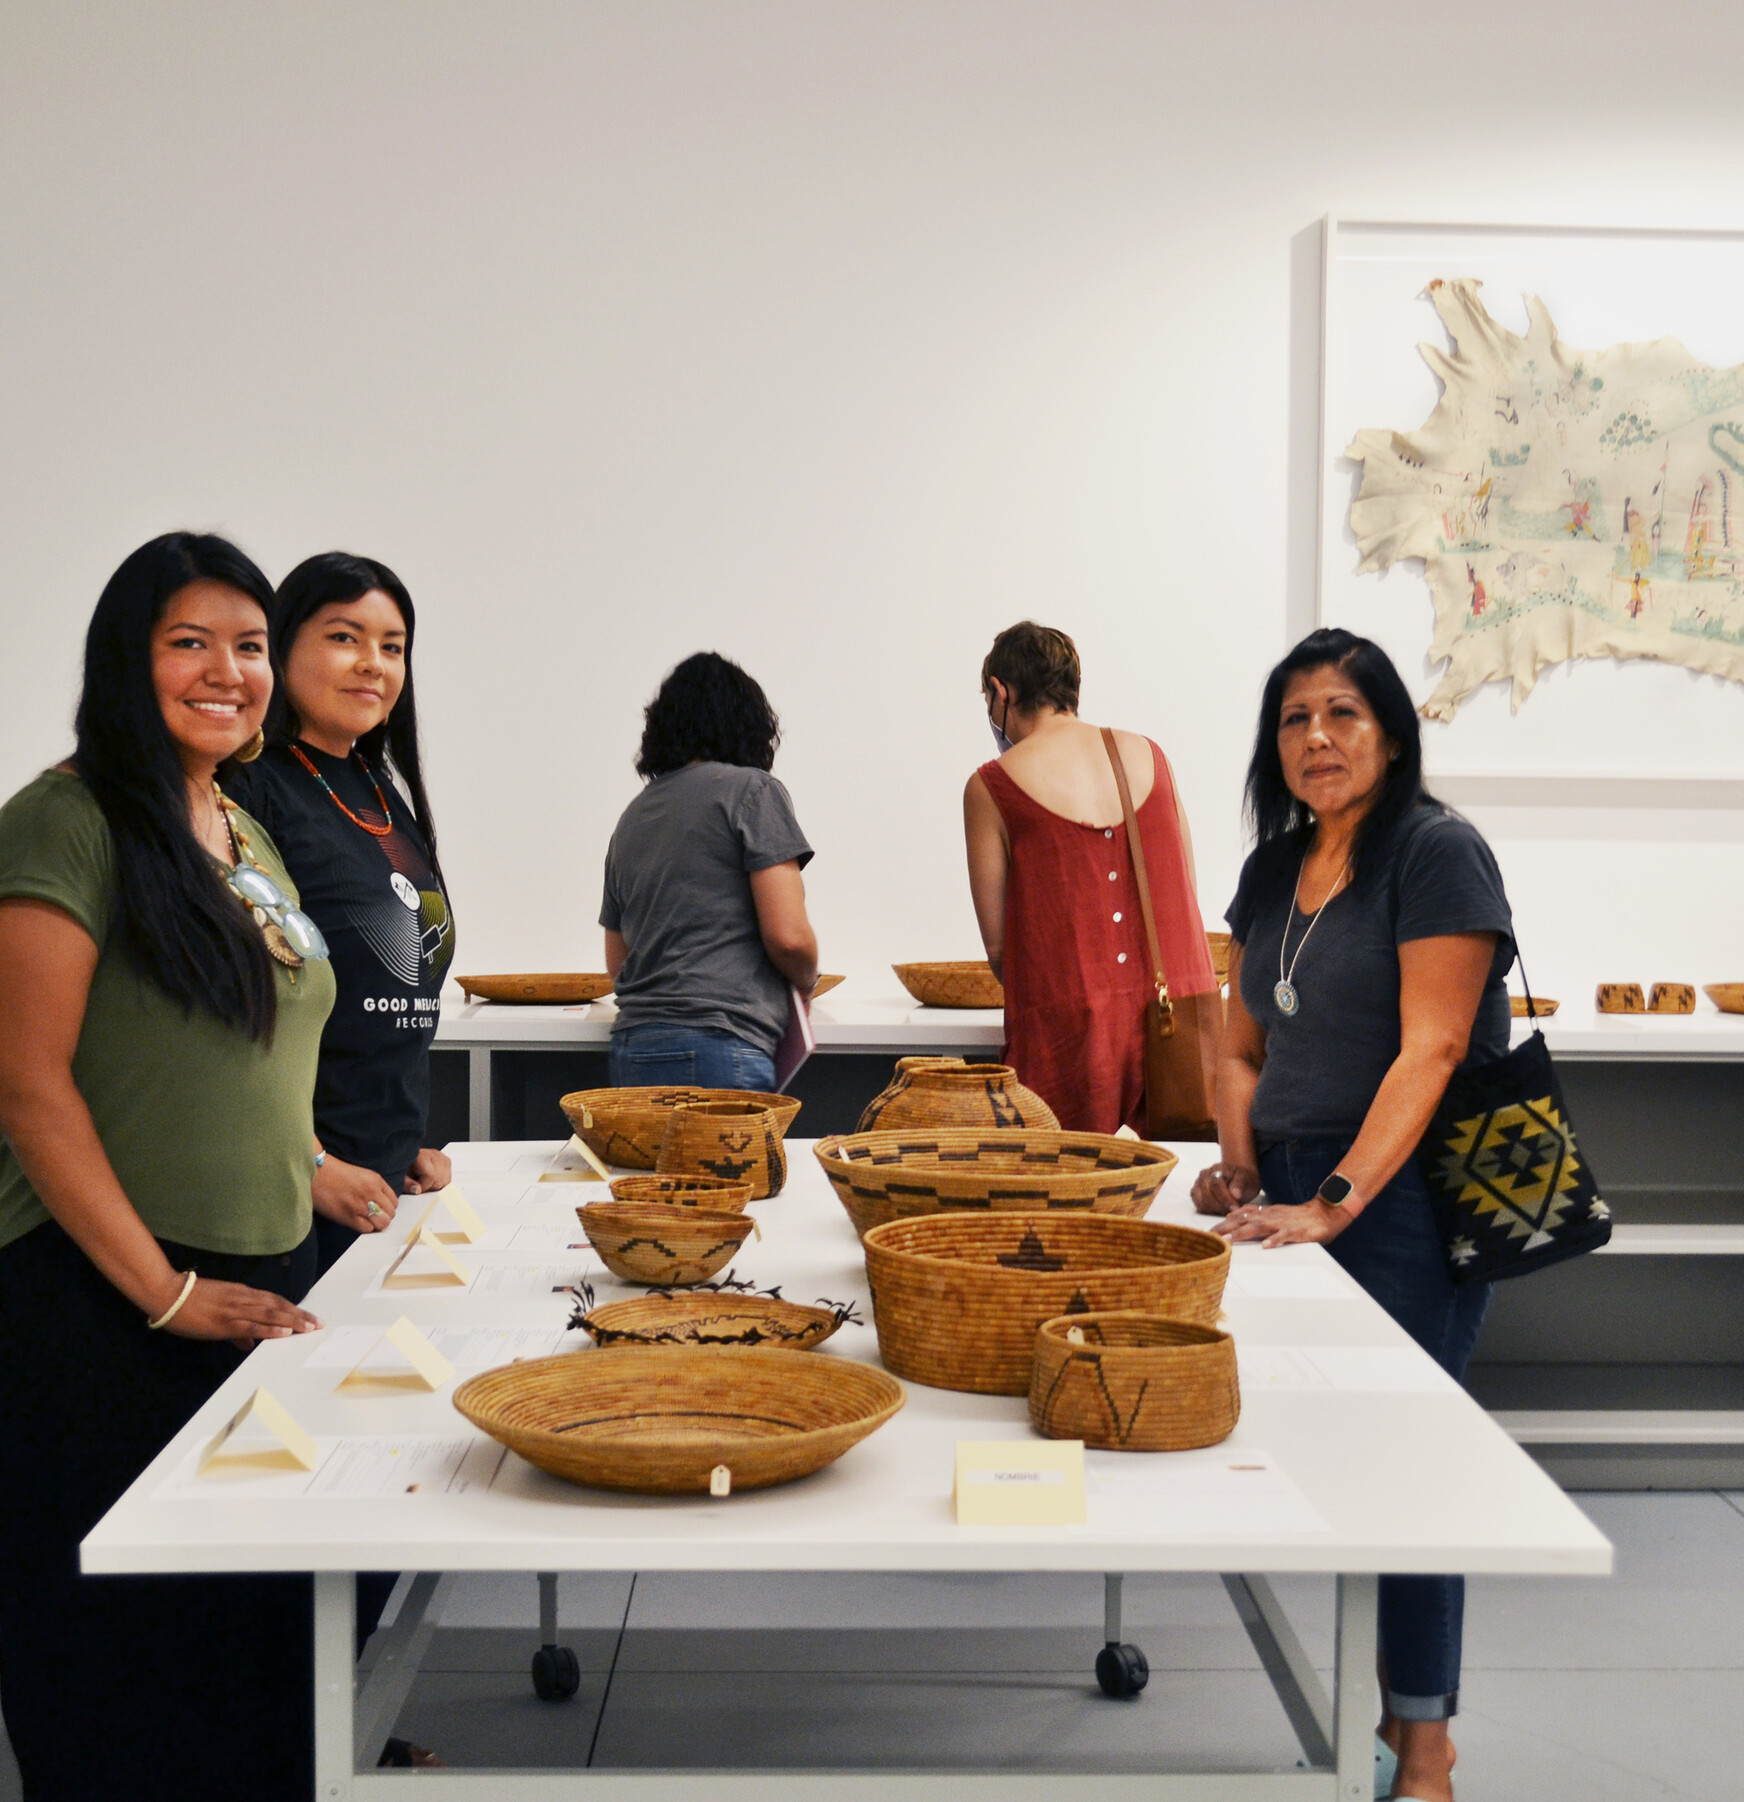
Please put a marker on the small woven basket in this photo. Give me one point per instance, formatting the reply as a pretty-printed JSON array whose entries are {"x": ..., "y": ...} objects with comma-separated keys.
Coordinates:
[
  {"x": 951, "y": 985},
  {"x": 1728, "y": 997},
  {"x": 661, "y": 1420},
  {"x": 590, "y": 986},
  {"x": 1542, "y": 1006},
  {"x": 683, "y": 1192},
  {"x": 1218, "y": 944},
  {"x": 1133, "y": 1382},
  {"x": 897, "y": 1175},
  {"x": 738, "y": 1140},
  {"x": 624, "y": 1127},
  {"x": 662, "y": 1246},
  {"x": 959, "y": 1297},
  {"x": 825, "y": 984},
  {"x": 711, "y": 1320},
  {"x": 936, "y": 1093}
]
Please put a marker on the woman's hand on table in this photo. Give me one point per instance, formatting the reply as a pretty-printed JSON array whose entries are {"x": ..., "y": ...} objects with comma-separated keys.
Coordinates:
[
  {"x": 1220, "y": 1187},
  {"x": 242, "y": 1315},
  {"x": 355, "y": 1197},
  {"x": 430, "y": 1170},
  {"x": 1309, "y": 1223}
]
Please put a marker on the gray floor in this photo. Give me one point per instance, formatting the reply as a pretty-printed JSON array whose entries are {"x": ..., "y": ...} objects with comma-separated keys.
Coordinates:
[{"x": 1575, "y": 1691}]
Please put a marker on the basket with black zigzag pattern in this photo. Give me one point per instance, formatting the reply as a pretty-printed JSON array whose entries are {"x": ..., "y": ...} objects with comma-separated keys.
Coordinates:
[{"x": 1134, "y": 1382}]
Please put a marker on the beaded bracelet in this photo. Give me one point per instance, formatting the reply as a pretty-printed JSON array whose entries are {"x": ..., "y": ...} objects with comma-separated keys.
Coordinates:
[{"x": 175, "y": 1306}]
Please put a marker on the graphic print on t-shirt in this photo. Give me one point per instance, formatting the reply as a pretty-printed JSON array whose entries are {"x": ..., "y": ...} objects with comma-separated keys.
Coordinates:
[{"x": 408, "y": 928}]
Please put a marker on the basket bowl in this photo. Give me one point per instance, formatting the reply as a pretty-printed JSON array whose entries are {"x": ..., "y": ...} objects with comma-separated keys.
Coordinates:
[
  {"x": 624, "y": 1127},
  {"x": 683, "y": 1192},
  {"x": 663, "y": 1246},
  {"x": 951, "y": 985},
  {"x": 1218, "y": 944},
  {"x": 589, "y": 986},
  {"x": 711, "y": 1320},
  {"x": 959, "y": 1297},
  {"x": 1133, "y": 1382},
  {"x": 882, "y": 1176},
  {"x": 825, "y": 984},
  {"x": 1728, "y": 997},
  {"x": 660, "y": 1420},
  {"x": 1542, "y": 1006}
]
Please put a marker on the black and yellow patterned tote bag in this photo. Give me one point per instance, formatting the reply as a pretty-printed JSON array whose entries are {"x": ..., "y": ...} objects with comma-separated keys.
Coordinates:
[{"x": 1511, "y": 1190}]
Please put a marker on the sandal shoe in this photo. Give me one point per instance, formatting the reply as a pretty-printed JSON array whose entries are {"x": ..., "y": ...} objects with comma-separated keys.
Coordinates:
[{"x": 1386, "y": 1769}]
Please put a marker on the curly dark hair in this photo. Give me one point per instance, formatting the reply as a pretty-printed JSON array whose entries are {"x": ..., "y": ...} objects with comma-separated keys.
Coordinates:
[{"x": 708, "y": 711}]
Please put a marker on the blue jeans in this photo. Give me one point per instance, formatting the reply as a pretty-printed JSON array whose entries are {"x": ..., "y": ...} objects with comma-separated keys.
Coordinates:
[
  {"x": 649, "y": 1056},
  {"x": 1394, "y": 1250}
]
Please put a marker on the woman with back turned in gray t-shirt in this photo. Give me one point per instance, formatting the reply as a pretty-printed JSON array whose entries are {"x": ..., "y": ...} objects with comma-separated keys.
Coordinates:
[
  {"x": 1371, "y": 938},
  {"x": 704, "y": 909}
]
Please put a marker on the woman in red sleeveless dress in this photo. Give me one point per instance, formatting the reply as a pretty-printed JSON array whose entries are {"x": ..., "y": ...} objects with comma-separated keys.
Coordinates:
[{"x": 1054, "y": 888}]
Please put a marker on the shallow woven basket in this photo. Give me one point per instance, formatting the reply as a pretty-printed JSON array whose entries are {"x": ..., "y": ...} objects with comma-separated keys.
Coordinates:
[
  {"x": 825, "y": 984},
  {"x": 660, "y": 1420},
  {"x": 951, "y": 985},
  {"x": 736, "y": 1139},
  {"x": 898, "y": 1175},
  {"x": 959, "y": 1297},
  {"x": 625, "y": 1126},
  {"x": 1728, "y": 997},
  {"x": 1218, "y": 944},
  {"x": 663, "y": 1246},
  {"x": 589, "y": 986},
  {"x": 717, "y": 1192},
  {"x": 1136, "y": 1383},
  {"x": 933, "y": 1092},
  {"x": 1542, "y": 1006},
  {"x": 711, "y": 1320}
]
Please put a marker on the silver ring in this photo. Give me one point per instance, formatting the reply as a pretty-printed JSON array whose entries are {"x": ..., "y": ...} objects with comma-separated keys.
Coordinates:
[{"x": 373, "y": 1209}]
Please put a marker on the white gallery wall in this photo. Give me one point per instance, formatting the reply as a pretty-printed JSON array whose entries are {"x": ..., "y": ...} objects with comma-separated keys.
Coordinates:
[{"x": 830, "y": 334}]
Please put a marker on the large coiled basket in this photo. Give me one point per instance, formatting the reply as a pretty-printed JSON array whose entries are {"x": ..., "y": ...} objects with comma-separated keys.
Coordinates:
[
  {"x": 958, "y": 1298},
  {"x": 625, "y": 1126}
]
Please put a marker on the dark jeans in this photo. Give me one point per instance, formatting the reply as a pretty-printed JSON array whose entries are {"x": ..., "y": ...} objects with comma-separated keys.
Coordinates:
[
  {"x": 1394, "y": 1250},
  {"x": 647, "y": 1056},
  {"x": 143, "y": 1687}
]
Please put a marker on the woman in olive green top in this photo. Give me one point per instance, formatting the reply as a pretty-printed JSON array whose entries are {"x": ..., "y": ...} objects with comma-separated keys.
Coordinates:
[{"x": 161, "y": 1006}]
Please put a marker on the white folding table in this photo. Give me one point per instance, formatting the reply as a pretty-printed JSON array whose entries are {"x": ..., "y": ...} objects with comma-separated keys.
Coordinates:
[{"x": 1398, "y": 1476}]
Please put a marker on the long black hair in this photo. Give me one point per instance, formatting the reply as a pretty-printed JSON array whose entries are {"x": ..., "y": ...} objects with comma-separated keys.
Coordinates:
[
  {"x": 312, "y": 585},
  {"x": 179, "y": 925},
  {"x": 1278, "y": 819},
  {"x": 708, "y": 710}
]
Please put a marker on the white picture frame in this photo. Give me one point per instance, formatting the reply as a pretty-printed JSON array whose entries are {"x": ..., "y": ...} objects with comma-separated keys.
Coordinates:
[{"x": 1598, "y": 719}]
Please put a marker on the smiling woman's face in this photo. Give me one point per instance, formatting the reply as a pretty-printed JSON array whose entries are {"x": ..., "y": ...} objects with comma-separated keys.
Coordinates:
[
  {"x": 345, "y": 670},
  {"x": 210, "y": 668},
  {"x": 1333, "y": 749}
]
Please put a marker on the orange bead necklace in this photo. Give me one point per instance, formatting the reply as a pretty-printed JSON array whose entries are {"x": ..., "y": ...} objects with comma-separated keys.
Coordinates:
[{"x": 373, "y": 831}]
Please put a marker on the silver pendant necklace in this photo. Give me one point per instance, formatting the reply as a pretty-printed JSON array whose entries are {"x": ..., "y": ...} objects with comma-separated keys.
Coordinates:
[{"x": 1284, "y": 995}]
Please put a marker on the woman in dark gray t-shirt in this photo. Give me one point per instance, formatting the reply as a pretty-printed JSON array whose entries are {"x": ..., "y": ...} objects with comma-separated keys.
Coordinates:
[
  {"x": 704, "y": 908},
  {"x": 1371, "y": 938}
]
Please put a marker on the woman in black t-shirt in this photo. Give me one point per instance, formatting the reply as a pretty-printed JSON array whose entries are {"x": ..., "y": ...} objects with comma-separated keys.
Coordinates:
[
  {"x": 1371, "y": 938},
  {"x": 364, "y": 857}
]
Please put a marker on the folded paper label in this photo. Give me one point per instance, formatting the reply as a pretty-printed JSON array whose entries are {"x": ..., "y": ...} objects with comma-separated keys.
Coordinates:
[
  {"x": 575, "y": 1163},
  {"x": 451, "y": 1200},
  {"x": 1020, "y": 1483},
  {"x": 429, "y": 1369},
  {"x": 291, "y": 1447},
  {"x": 452, "y": 1271}
]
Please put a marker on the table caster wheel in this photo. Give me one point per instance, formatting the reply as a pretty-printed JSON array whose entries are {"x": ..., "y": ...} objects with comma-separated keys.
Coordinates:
[
  {"x": 557, "y": 1673},
  {"x": 1122, "y": 1671}
]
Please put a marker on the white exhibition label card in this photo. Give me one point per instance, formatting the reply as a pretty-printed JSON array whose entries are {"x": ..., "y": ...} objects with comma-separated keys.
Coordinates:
[
  {"x": 1223, "y": 1492},
  {"x": 353, "y": 1465},
  {"x": 469, "y": 1349},
  {"x": 452, "y": 1201},
  {"x": 1020, "y": 1483},
  {"x": 448, "y": 1271},
  {"x": 276, "y": 1443},
  {"x": 1351, "y": 1369},
  {"x": 421, "y": 1365},
  {"x": 575, "y": 1163}
]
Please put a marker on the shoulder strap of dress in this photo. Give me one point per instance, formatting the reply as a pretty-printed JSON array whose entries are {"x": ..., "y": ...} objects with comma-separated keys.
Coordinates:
[{"x": 1135, "y": 849}]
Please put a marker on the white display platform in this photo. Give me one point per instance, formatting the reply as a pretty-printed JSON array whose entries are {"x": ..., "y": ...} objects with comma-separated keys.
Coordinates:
[{"x": 1392, "y": 1469}]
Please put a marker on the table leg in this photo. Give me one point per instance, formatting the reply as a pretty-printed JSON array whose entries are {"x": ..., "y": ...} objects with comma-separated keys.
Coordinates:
[
  {"x": 335, "y": 1677},
  {"x": 1354, "y": 1699},
  {"x": 478, "y": 1094}
]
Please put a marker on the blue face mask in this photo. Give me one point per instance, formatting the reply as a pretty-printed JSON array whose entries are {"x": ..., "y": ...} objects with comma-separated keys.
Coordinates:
[{"x": 998, "y": 730}]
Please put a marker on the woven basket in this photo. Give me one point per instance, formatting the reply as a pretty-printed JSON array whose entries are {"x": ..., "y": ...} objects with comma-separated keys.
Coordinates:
[
  {"x": 1136, "y": 1383},
  {"x": 1219, "y": 947},
  {"x": 625, "y": 1126},
  {"x": 929, "y": 1093},
  {"x": 959, "y": 1297},
  {"x": 734, "y": 1139},
  {"x": 662, "y": 1420},
  {"x": 550, "y": 988},
  {"x": 665, "y": 1247},
  {"x": 1620, "y": 998},
  {"x": 899, "y": 1175},
  {"x": 1542, "y": 1006},
  {"x": 1672, "y": 998},
  {"x": 711, "y": 1320},
  {"x": 683, "y": 1192},
  {"x": 1728, "y": 997},
  {"x": 951, "y": 985},
  {"x": 825, "y": 984}
]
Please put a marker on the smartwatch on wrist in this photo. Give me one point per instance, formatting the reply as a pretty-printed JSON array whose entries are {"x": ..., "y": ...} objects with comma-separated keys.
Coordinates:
[{"x": 1335, "y": 1191}]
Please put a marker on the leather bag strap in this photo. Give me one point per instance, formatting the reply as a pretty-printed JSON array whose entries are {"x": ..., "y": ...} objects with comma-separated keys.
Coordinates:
[{"x": 1135, "y": 847}]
